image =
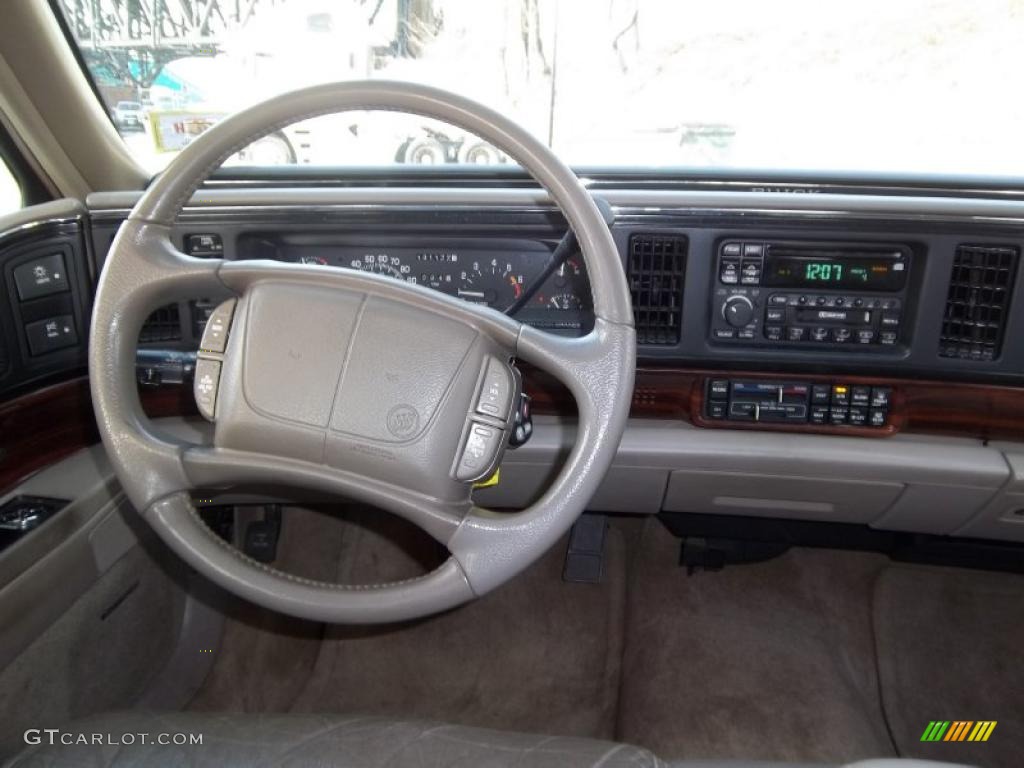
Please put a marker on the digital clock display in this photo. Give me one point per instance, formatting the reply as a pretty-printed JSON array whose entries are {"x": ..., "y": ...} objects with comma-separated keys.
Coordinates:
[{"x": 868, "y": 272}]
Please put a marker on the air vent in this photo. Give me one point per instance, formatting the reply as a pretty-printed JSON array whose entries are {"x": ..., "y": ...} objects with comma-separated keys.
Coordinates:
[
  {"x": 656, "y": 267},
  {"x": 978, "y": 301},
  {"x": 163, "y": 325}
]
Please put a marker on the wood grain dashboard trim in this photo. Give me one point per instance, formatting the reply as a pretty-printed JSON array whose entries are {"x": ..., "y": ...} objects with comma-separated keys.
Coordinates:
[
  {"x": 43, "y": 427},
  {"x": 984, "y": 411}
]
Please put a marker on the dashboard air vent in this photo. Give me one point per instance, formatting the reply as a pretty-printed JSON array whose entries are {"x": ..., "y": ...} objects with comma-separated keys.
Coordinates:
[
  {"x": 656, "y": 267},
  {"x": 978, "y": 301},
  {"x": 163, "y": 325}
]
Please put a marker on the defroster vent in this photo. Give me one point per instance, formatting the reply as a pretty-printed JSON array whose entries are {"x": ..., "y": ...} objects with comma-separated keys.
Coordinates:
[
  {"x": 657, "y": 264},
  {"x": 978, "y": 302}
]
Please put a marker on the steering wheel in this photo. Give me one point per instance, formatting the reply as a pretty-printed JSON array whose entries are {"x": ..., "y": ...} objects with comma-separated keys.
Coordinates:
[{"x": 352, "y": 383}]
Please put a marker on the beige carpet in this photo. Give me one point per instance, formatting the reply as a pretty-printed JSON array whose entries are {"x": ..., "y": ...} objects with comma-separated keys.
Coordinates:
[
  {"x": 951, "y": 647},
  {"x": 770, "y": 661}
]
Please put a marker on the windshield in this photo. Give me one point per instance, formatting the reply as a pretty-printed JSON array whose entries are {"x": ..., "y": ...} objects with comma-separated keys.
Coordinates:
[{"x": 906, "y": 86}]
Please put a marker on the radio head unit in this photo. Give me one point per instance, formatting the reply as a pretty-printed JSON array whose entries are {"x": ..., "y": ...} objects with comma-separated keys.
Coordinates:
[{"x": 795, "y": 293}]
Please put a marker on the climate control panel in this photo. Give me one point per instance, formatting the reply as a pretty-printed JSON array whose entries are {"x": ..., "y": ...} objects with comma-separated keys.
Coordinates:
[{"x": 822, "y": 404}]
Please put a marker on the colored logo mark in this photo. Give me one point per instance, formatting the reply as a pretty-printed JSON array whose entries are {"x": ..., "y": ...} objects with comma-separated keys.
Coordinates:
[{"x": 958, "y": 730}]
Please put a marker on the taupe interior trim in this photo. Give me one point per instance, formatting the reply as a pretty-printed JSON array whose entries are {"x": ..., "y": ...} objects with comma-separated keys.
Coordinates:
[{"x": 62, "y": 124}]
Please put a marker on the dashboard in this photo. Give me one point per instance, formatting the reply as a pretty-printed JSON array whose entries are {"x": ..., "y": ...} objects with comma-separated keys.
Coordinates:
[{"x": 838, "y": 356}]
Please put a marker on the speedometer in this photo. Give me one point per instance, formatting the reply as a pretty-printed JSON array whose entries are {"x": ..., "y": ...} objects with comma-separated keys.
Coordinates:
[{"x": 383, "y": 264}]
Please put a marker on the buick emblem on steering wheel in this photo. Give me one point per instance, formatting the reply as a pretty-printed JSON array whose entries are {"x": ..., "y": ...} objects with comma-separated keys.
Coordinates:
[{"x": 403, "y": 420}]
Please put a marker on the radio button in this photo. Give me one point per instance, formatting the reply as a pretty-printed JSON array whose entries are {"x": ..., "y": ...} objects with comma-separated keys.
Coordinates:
[
  {"x": 841, "y": 335},
  {"x": 858, "y": 302},
  {"x": 716, "y": 410},
  {"x": 729, "y": 272},
  {"x": 751, "y": 273},
  {"x": 887, "y": 337},
  {"x": 775, "y": 316},
  {"x": 731, "y": 249},
  {"x": 865, "y": 337},
  {"x": 858, "y": 416},
  {"x": 725, "y": 333},
  {"x": 876, "y": 417},
  {"x": 753, "y": 249},
  {"x": 819, "y": 414},
  {"x": 837, "y": 414},
  {"x": 840, "y": 301},
  {"x": 820, "y": 301},
  {"x": 821, "y": 394},
  {"x": 746, "y": 334},
  {"x": 890, "y": 319},
  {"x": 778, "y": 299},
  {"x": 796, "y": 333},
  {"x": 819, "y": 334},
  {"x": 773, "y": 332},
  {"x": 801, "y": 300}
]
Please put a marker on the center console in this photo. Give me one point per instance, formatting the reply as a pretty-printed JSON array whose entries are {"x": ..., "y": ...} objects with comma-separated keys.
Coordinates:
[{"x": 796, "y": 294}]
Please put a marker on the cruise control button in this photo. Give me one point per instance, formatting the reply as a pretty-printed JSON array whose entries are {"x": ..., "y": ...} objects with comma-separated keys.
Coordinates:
[
  {"x": 215, "y": 335},
  {"x": 478, "y": 454},
  {"x": 496, "y": 392},
  {"x": 207, "y": 380}
]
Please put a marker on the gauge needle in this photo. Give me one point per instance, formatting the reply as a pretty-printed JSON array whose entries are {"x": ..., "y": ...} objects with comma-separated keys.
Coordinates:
[{"x": 471, "y": 294}]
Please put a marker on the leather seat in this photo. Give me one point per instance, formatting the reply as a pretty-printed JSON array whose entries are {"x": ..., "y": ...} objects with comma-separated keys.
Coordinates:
[{"x": 297, "y": 741}]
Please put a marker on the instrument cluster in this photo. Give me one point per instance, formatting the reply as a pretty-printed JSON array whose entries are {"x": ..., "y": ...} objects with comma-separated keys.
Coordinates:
[{"x": 494, "y": 273}]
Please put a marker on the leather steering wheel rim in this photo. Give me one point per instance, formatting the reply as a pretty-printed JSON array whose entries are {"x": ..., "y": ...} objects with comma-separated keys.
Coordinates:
[{"x": 144, "y": 271}]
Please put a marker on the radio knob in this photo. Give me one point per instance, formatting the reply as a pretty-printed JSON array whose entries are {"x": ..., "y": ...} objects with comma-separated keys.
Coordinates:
[{"x": 737, "y": 311}]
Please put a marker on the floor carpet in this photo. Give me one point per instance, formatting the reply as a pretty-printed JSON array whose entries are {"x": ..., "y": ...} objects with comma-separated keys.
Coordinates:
[
  {"x": 951, "y": 648},
  {"x": 817, "y": 655},
  {"x": 770, "y": 661}
]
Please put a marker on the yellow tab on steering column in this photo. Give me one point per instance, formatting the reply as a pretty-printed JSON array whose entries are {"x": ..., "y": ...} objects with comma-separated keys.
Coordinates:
[{"x": 492, "y": 480}]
